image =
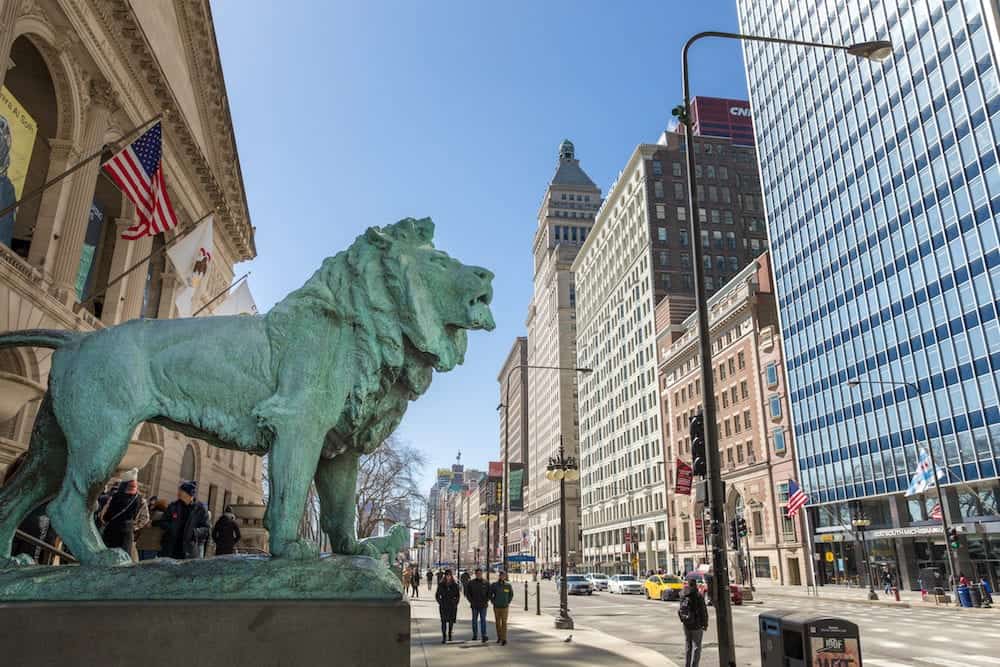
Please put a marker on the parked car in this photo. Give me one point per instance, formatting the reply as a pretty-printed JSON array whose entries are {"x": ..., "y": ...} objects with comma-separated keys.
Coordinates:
[
  {"x": 704, "y": 587},
  {"x": 576, "y": 584},
  {"x": 598, "y": 581},
  {"x": 663, "y": 587},
  {"x": 625, "y": 584},
  {"x": 548, "y": 574}
]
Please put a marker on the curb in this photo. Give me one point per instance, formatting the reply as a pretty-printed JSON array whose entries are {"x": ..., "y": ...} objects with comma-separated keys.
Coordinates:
[{"x": 869, "y": 603}]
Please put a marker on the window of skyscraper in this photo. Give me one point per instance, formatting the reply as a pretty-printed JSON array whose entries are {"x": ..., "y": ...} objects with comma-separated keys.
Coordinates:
[
  {"x": 657, "y": 168},
  {"x": 677, "y": 169},
  {"x": 775, "y": 404},
  {"x": 772, "y": 374}
]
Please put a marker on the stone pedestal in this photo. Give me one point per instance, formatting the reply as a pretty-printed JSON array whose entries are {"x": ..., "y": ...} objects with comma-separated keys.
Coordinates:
[{"x": 204, "y": 633}]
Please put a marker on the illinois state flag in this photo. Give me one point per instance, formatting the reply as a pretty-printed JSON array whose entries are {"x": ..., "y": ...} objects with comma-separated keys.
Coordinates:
[{"x": 923, "y": 476}]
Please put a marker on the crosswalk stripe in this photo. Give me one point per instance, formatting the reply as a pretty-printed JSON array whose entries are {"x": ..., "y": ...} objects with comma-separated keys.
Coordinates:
[
  {"x": 879, "y": 662},
  {"x": 945, "y": 662},
  {"x": 985, "y": 659}
]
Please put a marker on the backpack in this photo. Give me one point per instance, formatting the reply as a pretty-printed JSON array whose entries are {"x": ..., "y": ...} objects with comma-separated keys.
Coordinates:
[{"x": 690, "y": 613}]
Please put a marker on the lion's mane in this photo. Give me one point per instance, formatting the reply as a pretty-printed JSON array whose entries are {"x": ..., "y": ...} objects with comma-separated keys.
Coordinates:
[{"x": 361, "y": 289}]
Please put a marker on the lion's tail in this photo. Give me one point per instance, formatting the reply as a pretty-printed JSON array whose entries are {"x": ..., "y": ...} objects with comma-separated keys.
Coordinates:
[{"x": 50, "y": 338}]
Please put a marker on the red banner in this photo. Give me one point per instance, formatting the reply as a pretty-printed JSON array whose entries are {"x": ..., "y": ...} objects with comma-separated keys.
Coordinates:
[
  {"x": 684, "y": 477},
  {"x": 496, "y": 469},
  {"x": 699, "y": 532}
]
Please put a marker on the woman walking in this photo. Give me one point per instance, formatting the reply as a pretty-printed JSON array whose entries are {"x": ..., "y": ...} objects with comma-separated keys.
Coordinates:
[
  {"x": 124, "y": 514},
  {"x": 448, "y": 594}
]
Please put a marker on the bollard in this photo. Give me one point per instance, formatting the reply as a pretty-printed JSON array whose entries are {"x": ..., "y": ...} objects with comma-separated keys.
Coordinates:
[
  {"x": 538, "y": 599},
  {"x": 895, "y": 592},
  {"x": 526, "y": 595}
]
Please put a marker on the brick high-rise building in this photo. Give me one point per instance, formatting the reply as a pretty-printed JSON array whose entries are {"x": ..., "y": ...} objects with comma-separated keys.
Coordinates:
[{"x": 753, "y": 432}]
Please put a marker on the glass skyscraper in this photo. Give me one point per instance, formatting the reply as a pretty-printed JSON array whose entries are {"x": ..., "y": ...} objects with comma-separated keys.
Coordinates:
[{"x": 882, "y": 193}]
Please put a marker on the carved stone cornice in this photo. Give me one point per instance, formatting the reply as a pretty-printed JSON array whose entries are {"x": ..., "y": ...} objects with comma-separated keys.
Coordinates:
[
  {"x": 223, "y": 190},
  {"x": 101, "y": 92}
]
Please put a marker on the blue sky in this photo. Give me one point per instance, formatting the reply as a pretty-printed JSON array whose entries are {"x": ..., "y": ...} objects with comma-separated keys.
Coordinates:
[{"x": 352, "y": 114}]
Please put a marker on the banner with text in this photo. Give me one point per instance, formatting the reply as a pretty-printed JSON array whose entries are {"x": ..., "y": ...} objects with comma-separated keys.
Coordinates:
[
  {"x": 684, "y": 475},
  {"x": 516, "y": 491}
]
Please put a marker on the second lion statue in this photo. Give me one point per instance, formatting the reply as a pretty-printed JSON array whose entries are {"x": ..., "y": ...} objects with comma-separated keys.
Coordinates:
[{"x": 321, "y": 379}]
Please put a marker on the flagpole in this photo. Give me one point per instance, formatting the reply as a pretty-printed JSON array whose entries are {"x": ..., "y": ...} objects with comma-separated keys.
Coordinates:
[
  {"x": 222, "y": 293},
  {"x": 809, "y": 549},
  {"x": 79, "y": 165},
  {"x": 178, "y": 236}
]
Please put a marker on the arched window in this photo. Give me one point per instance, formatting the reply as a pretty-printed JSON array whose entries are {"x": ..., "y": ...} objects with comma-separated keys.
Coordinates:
[
  {"x": 30, "y": 113},
  {"x": 187, "y": 464}
]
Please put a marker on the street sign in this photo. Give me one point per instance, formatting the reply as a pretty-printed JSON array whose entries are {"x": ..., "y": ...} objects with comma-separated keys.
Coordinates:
[
  {"x": 685, "y": 475},
  {"x": 699, "y": 532},
  {"x": 521, "y": 558}
]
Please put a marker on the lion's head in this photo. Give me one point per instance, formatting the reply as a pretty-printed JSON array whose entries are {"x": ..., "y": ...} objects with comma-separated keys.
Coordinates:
[{"x": 408, "y": 304}]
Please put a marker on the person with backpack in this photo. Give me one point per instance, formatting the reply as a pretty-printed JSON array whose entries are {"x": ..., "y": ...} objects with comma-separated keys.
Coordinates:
[{"x": 693, "y": 613}]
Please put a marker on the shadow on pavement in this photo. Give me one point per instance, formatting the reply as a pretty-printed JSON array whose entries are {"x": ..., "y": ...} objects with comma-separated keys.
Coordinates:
[{"x": 524, "y": 647}]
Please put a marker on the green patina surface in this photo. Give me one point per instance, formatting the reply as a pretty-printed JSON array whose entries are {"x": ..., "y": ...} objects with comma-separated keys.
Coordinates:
[
  {"x": 226, "y": 578},
  {"x": 321, "y": 379}
]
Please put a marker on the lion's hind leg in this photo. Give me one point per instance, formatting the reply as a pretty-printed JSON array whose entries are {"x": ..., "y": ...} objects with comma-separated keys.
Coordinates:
[
  {"x": 97, "y": 443},
  {"x": 37, "y": 479}
]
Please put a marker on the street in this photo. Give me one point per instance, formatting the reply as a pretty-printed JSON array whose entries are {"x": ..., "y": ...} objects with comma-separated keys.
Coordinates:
[{"x": 890, "y": 637}]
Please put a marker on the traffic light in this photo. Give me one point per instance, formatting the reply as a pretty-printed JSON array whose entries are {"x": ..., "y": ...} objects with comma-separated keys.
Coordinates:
[
  {"x": 741, "y": 526},
  {"x": 734, "y": 536},
  {"x": 697, "y": 432},
  {"x": 953, "y": 538}
]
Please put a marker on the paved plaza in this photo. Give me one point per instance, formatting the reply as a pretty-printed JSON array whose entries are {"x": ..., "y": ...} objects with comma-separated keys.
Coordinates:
[{"x": 630, "y": 630}]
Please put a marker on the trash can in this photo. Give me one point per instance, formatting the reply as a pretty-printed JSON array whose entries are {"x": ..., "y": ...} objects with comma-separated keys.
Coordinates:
[
  {"x": 964, "y": 598},
  {"x": 976, "y": 595},
  {"x": 796, "y": 639}
]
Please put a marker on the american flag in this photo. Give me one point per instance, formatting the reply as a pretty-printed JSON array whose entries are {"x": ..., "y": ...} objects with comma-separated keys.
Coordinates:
[
  {"x": 797, "y": 499},
  {"x": 138, "y": 171},
  {"x": 936, "y": 512}
]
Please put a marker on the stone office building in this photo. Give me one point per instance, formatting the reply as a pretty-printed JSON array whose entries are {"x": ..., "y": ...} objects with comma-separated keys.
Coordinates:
[
  {"x": 564, "y": 220},
  {"x": 76, "y": 75},
  {"x": 637, "y": 253},
  {"x": 755, "y": 441}
]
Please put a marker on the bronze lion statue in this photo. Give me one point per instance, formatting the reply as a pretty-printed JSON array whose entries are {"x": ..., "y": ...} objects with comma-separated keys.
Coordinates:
[{"x": 321, "y": 379}]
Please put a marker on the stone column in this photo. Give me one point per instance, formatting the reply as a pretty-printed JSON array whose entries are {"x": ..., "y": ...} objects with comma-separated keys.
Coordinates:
[
  {"x": 123, "y": 300},
  {"x": 45, "y": 237},
  {"x": 9, "y": 10},
  {"x": 81, "y": 193}
]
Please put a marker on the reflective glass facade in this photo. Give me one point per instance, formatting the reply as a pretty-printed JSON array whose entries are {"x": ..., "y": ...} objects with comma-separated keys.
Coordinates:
[{"x": 882, "y": 190}]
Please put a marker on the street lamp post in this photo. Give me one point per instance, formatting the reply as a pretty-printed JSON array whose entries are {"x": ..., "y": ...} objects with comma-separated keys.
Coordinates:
[
  {"x": 487, "y": 517},
  {"x": 861, "y": 523},
  {"x": 506, "y": 439},
  {"x": 930, "y": 452},
  {"x": 457, "y": 528},
  {"x": 562, "y": 468},
  {"x": 870, "y": 50},
  {"x": 440, "y": 538}
]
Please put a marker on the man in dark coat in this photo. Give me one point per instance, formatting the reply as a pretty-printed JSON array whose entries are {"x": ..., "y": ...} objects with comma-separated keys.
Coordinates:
[
  {"x": 693, "y": 613},
  {"x": 226, "y": 533},
  {"x": 447, "y": 595},
  {"x": 185, "y": 524},
  {"x": 477, "y": 592}
]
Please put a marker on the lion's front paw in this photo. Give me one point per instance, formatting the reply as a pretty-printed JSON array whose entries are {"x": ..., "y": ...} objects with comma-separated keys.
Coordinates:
[
  {"x": 349, "y": 546},
  {"x": 295, "y": 550},
  {"x": 112, "y": 557},
  {"x": 20, "y": 560}
]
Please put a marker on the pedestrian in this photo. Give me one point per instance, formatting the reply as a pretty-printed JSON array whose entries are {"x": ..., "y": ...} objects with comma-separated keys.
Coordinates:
[
  {"x": 886, "y": 581},
  {"x": 124, "y": 513},
  {"x": 226, "y": 533},
  {"x": 413, "y": 581},
  {"x": 430, "y": 578},
  {"x": 477, "y": 592},
  {"x": 962, "y": 579},
  {"x": 464, "y": 578},
  {"x": 185, "y": 524},
  {"x": 501, "y": 595},
  {"x": 694, "y": 617},
  {"x": 149, "y": 540},
  {"x": 987, "y": 590},
  {"x": 447, "y": 596}
]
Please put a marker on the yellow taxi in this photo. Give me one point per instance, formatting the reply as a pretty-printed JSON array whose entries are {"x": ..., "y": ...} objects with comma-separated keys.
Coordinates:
[{"x": 663, "y": 587}]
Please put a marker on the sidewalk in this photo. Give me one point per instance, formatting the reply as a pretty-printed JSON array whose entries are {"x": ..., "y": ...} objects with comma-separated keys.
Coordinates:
[
  {"x": 907, "y": 599},
  {"x": 531, "y": 640}
]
